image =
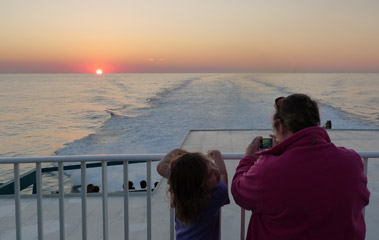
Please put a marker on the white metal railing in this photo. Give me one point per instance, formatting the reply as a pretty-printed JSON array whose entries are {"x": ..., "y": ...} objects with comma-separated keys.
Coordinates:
[{"x": 125, "y": 158}]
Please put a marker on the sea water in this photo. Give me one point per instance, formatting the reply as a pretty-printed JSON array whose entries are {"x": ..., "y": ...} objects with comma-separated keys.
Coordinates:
[{"x": 73, "y": 114}]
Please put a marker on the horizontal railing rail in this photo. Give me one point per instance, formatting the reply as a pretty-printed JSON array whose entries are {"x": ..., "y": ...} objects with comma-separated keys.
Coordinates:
[
  {"x": 87, "y": 158},
  {"x": 104, "y": 159},
  {"x": 29, "y": 178},
  {"x": 122, "y": 157}
]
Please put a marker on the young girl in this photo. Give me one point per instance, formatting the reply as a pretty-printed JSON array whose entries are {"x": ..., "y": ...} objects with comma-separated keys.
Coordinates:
[{"x": 198, "y": 187}]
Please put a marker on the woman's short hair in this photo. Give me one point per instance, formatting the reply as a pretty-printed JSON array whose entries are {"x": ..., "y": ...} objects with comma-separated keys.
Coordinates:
[
  {"x": 296, "y": 112},
  {"x": 188, "y": 186}
]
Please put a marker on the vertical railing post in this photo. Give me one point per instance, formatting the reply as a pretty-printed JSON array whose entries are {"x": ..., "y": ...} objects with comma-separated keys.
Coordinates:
[
  {"x": 172, "y": 222},
  {"x": 242, "y": 224},
  {"x": 148, "y": 192},
  {"x": 126, "y": 201},
  {"x": 84, "y": 200},
  {"x": 219, "y": 229},
  {"x": 39, "y": 200},
  {"x": 365, "y": 166},
  {"x": 17, "y": 200},
  {"x": 61, "y": 201},
  {"x": 105, "y": 199}
]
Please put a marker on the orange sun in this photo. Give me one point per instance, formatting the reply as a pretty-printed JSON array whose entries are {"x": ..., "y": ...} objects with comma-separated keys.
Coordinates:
[{"x": 99, "y": 71}]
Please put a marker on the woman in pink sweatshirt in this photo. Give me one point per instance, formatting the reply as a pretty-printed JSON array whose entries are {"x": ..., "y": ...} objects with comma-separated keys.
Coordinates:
[{"x": 304, "y": 187}]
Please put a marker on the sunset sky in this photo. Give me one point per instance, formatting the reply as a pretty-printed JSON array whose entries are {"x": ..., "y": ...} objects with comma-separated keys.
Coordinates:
[{"x": 121, "y": 36}]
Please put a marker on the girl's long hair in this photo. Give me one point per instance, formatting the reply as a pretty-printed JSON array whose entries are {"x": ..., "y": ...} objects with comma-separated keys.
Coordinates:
[{"x": 188, "y": 186}]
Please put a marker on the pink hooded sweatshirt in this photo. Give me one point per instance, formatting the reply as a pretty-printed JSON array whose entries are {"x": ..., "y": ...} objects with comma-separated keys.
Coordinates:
[{"x": 303, "y": 188}]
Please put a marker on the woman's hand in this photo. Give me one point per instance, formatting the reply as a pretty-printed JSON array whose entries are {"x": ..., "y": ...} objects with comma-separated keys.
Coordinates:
[{"x": 253, "y": 147}]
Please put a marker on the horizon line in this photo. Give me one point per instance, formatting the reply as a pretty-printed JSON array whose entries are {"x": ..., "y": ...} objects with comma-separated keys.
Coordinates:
[{"x": 231, "y": 72}]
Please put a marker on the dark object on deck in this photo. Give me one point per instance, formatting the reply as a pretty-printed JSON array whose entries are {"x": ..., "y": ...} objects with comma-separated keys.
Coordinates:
[
  {"x": 328, "y": 125},
  {"x": 92, "y": 188},
  {"x": 131, "y": 185},
  {"x": 143, "y": 184}
]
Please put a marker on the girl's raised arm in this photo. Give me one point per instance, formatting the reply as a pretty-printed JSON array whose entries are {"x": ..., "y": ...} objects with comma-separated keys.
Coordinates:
[
  {"x": 217, "y": 157},
  {"x": 164, "y": 164}
]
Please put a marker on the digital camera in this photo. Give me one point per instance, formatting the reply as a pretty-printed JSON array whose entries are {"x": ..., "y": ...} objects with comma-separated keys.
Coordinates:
[{"x": 266, "y": 143}]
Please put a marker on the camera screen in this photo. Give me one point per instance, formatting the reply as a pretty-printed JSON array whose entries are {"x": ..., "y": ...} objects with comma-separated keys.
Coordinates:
[{"x": 266, "y": 143}]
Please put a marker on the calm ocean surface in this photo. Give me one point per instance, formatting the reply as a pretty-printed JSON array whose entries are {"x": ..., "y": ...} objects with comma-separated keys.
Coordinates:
[{"x": 66, "y": 114}]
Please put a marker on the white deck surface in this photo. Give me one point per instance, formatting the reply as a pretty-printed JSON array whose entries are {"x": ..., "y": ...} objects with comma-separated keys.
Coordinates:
[{"x": 234, "y": 141}]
